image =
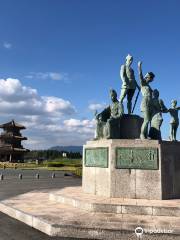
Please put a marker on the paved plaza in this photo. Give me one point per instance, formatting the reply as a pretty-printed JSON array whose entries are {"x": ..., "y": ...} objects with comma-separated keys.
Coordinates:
[
  {"x": 11, "y": 186},
  {"x": 11, "y": 229}
]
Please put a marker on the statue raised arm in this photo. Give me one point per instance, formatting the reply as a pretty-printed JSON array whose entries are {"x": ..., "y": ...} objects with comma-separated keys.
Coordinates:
[{"x": 146, "y": 104}]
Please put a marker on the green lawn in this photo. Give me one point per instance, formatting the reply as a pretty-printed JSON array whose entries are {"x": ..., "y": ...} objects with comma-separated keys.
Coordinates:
[{"x": 61, "y": 164}]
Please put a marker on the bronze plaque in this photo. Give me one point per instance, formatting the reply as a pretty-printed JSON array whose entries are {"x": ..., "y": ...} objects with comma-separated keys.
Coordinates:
[
  {"x": 137, "y": 158},
  {"x": 96, "y": 157}
]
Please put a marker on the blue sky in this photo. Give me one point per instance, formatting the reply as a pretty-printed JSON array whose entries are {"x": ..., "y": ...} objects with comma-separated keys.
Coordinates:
[{"x": 70, "y": 52}]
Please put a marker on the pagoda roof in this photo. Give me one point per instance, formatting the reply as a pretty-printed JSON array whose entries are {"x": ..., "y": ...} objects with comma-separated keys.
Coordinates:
[
  {"x": 5, "y": 147},
  {"x": 10, "y": 149},
  {"x": 12, "y": 124},
  {"x": 11, "y": 136},
  {"x": 20, "y": 150}
]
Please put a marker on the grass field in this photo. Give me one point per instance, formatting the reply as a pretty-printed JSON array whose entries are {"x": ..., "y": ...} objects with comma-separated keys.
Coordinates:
[{"x": 61, "y": 164}]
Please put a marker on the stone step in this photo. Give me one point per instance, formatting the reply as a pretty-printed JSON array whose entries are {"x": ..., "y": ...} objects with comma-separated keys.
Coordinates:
[
  {"x": 54, "y": 219},
  {"x": 73, "y": 196}
]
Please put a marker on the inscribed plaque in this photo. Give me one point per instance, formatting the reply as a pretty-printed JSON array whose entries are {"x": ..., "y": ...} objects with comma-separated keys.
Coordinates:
[
  {"x": 96, "y": 157},
  {"x": 137, "y": 158}
]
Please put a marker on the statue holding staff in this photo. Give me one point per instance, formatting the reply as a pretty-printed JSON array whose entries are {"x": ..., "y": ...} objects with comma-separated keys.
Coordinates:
[{"x": 129, "y": 83}]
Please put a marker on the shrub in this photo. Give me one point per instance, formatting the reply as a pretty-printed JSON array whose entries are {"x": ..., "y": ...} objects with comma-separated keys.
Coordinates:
[{"x": 55, "y": 164}]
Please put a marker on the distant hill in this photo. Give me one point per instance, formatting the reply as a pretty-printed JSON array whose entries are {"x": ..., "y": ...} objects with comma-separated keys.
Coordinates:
[{"x": 68, "y": 148}]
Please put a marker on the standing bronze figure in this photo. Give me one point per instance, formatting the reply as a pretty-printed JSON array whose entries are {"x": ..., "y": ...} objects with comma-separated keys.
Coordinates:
[
  {"x": 146, "y": 104},
  {"x": 129, "y": 83},
  {"x": 174, "y": 123},
  {"x": 158, "y": 108}
]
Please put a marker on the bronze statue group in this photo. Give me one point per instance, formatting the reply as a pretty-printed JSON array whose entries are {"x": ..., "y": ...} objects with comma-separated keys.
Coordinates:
[{"x": 152, "y": 107}]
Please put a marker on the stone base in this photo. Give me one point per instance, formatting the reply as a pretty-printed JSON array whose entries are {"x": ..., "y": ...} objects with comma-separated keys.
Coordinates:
[
  {"x": 71, "y": 213},
  {"x": 140, "y": 169},
  {"x": 74, "y": 197},
  {"x": 130, "y": 126}
]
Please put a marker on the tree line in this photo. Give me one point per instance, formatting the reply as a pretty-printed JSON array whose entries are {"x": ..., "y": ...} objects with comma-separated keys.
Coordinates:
[{"x": 51, "y": 154}]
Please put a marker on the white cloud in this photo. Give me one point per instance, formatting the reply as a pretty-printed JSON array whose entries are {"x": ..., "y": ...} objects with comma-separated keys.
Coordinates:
[
  {"x": 57, "y": 76},
  {"x": 46, "y": 133},
  {"x": 96, "y": 106},
  {"x": 19, "y": 99},
  {"x": 12, "y": 90},
  {"x": 54, "y": 104},
  {"x": 78, "y": 123},
  {"x": 49, "y": 120},
  {"x": 7, "y": 45}
]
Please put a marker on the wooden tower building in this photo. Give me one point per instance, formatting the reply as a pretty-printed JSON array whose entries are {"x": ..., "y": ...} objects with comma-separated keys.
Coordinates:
[{"x": 10, "y": 142}]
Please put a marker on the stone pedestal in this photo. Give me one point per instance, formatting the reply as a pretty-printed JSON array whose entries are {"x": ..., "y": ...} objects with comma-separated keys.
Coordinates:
[
  {"x": 140, "y": 169},
  {"x": 130, "y": 126}
]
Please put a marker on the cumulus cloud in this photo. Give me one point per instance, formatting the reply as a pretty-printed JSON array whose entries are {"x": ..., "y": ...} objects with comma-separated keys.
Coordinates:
[
  {"x": 54, "y": 105},
  {"x": 76, "y": 123},
  {"x": 12, "y": 90},
  {"x": 49, "y": 120},
  {"x": 19, "y": 99},
  {"x": 96, "y": 106},
  {"x": 57, "y": 76},
  {"x": 7, "y": 45},
  {"x": 51, "y": 132}
]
